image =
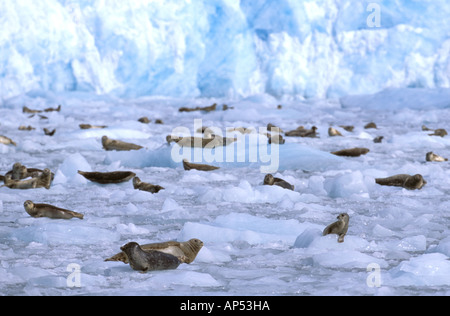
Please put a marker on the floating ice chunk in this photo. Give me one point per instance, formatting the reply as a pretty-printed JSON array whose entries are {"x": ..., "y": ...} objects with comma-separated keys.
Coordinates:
[
  {"x": 68, "y": 170},
  {"x": 170, "y": 205},
  {"x": 131, "y": 229},
  {"x": 207, "y": 255},
  {"x": 426, "y": 270},
  {"x": 55, "y": 232},
  {"x": 443, "y": 247},
  {"x": 415, "y": 243},
  {"x": 347, "y": 185},
  {"x": 244, "y": 227},
  {"x": 346, "y": 259},
  {"x": 307, "y": 237},
  {"x": 183, "y": 277}
]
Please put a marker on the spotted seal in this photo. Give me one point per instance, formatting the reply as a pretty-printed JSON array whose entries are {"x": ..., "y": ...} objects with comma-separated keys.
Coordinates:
[
  {"x": 50, "y": 211},
  {"x": 415, "y": 182},
  {"x": 340, "y": 227},
  {"x": 118, "y": 145},
  {"x": 271, "y": 180},
  {"x": 143, "y": 186},
  {"x": 187, "y": 249}
]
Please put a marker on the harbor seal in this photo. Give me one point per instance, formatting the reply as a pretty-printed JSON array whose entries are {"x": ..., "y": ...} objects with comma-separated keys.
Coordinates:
[
  {"x": 20, "y": 172},
  {"x": 118, "y": 145},
  {"x": 302, "y": 132},
  {"x": 274, "y": 129},
  {"x": 209, "y": 141},
  {"x": 152, "y": 260},
  {"x": 143, "y": 186},
  {"x": 7, "y": 141},
  {"x": 371, "y": 125},
  {"x": 333, "y": 132},
  {"x": 270, "y": 180},
  {"x": 26, "y": 128},
  {"x": 144, "y": 120},
  {"x": 89, "y": 126},
  {"x": 378, "y": 140},
  {"x": 439, "y": 132},
  {"x": 348, "y": 128},
  {"x": 353, "y": 152},
  {"x": 50, "y": 211},
  {"x": 340, "y": 227},
  {"x": 205, "y": 109},
  {"x": 187, "y": 249},
  {"x": 276, "y": 139},
  {"x": 108, "y": 177},
  {"x": 49, "y": 132},
  {"x": 20, "y": 184},
  {"x": 433, "y": 157},
  {"x": 415, "y": 182},
  {"x": 189, "y": 166}
]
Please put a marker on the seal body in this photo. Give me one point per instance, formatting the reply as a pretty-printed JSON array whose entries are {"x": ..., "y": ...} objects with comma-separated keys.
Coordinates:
[
  {"x": 353, "y": 152},
  {"x": 187, "y": 250},
  {"x": 108, "y": 177},
  {"x": 433, "y": 157},
  {"x": 143, "y": 186},
  {"x": 197, "y": 142},
  {"x": 439, "y": 132},
  {"x": 20, "y": 184},
  {"x": 7, "y": 141},
  {"x": 205, "y": 109},
  {"x": 339, "y": 228},
  {"x": 302, "y": 132},
  {"x": 202, "y": 167},
  {"x": 415, "y": 182},
  {"x": 333, "y": 132},
  {"x": 152, "y": 260},
  {"x": 270, "y": 180},
  {"x": 371, "y": 125},
  {"x": 89, "y": 126},
  {"x": 50, "y": 211},
  {"x": 118, "y": 145}
]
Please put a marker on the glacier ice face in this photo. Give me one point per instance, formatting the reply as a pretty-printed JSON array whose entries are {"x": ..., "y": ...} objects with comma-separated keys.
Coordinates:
[{"x": 222, "y": 48}]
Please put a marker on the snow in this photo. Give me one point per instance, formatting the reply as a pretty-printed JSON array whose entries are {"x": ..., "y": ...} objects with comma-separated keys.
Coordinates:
[
  {"x": 218, "y": 48},
  {"x": 259, "y": 240}
]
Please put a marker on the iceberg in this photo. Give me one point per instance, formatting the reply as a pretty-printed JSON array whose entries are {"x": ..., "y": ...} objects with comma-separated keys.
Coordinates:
[{"x": 222, "y": 48}]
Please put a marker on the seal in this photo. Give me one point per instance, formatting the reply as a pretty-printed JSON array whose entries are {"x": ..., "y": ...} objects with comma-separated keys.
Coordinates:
[
  {"x": 189, "y": 166},
  {"x": 439, "y": 132},
  {"x": 415, "y": 182},
  {"x": 20, "y": 172},
  {"x": 118, "y": 145},
  {"x": 270, "y": 180},
  {"x": 378, "y": 140},
  {"x": 50, "y": 211},
  {"x": 276, "y": 139},
  {"x": 187, "y": 249},
  {"x": 144, "y": 120},
  {"x": 353, "y": 152},
  {"x": 143, "y": 186},
  {"x": 20, "y": 184},
  {"x": 89, "y": 126},
  {"x": 370, "y": 125},
  {"x": 340, "y": 227},
  {"x": 333, "y": 132},
  {"x": 26, "y": 128},
  {"x": 302, "y": 132},
  {"x": 48, "y": 132},
  {"x": 274, "y": 129},
  {"x": 152, "y": 260},
  {"x": 348, "y": 128},
  {"x": 209, "y": 141},
  {"x": 433, "y": 157},
  {"x": 108, "y": 177},
  {"x": 205, "y": 109},
  {"x": 7, "y": 141}
]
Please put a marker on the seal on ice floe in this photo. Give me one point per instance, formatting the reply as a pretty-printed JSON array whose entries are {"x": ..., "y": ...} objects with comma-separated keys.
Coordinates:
[
  {"x": 333, "y": 132},
  {"x": 143, "y": 186},
  {"x": 202, "y": 167},
  {"x": 40, "y": 180},
  {"x": 270, "y": 180},
  {"x": 434, "y": 157},
  {"x": 353, "y": 152},
  {"x": 188, "y": 250},
  {"x": 415, "y": 182},
  {"x": 118, "y": 145},
  {"x": 152, "y": 260},
  {"x": 50, "y": 211},
  {"x": 7, "y": 141},
  {"x": 108, "y": 177},
  {"x": 340, "y": 227}
]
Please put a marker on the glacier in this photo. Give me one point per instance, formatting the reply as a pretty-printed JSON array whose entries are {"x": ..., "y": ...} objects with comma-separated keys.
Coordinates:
[{"x": 222, "y": 48}]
